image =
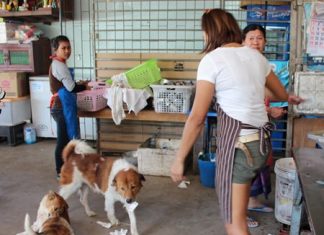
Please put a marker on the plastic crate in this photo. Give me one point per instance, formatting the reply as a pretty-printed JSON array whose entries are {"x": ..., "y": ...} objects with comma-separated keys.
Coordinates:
[
  {"x": 91, "y": 100},
  {"x": 155, "y": 156},
  {"x": 318, "y": 136},
  {"x": 172, "y": 98},
  {"x": 144, "y": 74}
]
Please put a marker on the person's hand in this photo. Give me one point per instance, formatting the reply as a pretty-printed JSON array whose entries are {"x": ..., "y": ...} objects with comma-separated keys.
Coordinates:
[
  {"x": 177, "y": 170},
  {"x": 276, "y": 112},
  {"x": 84, "y": 83},
  {"x": 293, "y": 99}
]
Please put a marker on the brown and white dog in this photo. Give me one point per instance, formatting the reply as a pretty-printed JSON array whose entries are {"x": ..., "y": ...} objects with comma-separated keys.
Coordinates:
[
  {"x": 52, "y": 217},
  {"x": 116, "y": 179}
]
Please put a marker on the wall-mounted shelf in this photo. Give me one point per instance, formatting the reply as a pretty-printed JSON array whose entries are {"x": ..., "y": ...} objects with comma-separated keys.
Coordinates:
[
  {"x": 45, "y": 15},
  {"x": 40, "y": 15},
  {"x": 31, "y": 57}
]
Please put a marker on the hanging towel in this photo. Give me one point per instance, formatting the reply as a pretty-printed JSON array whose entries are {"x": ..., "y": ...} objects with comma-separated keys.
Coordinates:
[
  {"x": 135, "y": 99},
  {"x": 114, "y": 96},
  {"x": 69, "y": 104}
]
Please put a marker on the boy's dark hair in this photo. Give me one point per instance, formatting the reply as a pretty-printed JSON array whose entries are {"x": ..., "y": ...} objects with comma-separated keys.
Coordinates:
[
  {"x": 252, "y": 27},
  {"x": 56, "y": 41}
]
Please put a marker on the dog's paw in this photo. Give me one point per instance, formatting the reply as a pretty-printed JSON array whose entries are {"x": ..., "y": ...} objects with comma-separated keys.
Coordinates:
[
  {"x": 114, "y": 221},
  {"x": 134, "y": 233},
  {"x": 91, "y": 213}
]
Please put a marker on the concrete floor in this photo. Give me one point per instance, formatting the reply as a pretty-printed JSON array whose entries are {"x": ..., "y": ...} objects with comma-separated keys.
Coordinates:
[{"x": 27, "y": 173}]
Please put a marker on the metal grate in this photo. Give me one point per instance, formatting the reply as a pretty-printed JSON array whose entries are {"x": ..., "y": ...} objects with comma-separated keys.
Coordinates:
[
  {"x": 174, "y": 26},
  {"x": 149, "y": 26}
]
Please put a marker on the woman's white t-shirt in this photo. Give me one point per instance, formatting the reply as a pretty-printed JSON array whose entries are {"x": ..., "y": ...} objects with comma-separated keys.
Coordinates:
[{"x": 239, "y": 75}]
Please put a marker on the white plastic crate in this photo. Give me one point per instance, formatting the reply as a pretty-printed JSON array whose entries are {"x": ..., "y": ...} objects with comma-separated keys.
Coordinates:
[
  {"x": 155, "y": 156},
  {"x": 318, "y": 136},
  {"x": 172, "y": 98}
]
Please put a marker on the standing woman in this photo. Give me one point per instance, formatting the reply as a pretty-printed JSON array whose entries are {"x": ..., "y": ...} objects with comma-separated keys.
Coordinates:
[
  {"x": 63, "y": 102},
  {"x": 254, "y": 36},
  {"x": 237, "y": 75}
]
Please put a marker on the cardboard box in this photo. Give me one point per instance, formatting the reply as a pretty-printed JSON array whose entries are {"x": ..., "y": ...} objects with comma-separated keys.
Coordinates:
[
  {"x": 15, "y": 111},
  {"x": 15, "y": 84},
  {"x": 245, "y": 3},
  {"x": 7, "y": 32}
]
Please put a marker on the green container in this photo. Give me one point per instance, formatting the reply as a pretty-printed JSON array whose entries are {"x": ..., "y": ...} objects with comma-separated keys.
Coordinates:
[
  {"x": 19, "y": 58},
  {"x": 144, "y": 74},
  {"x": 1, "y": 57}
]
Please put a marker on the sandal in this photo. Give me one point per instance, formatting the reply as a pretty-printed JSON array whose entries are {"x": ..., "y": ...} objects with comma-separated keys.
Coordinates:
[
  {"x": 251, "y": 222},
  {"x": 262, "y": 208}
]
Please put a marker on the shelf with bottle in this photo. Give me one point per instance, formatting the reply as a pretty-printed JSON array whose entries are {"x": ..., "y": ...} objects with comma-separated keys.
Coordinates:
[{"x": 36, "y": 11}]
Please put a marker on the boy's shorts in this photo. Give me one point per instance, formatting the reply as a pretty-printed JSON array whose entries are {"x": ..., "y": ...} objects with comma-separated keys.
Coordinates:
[{"x": 243, "y": 173}]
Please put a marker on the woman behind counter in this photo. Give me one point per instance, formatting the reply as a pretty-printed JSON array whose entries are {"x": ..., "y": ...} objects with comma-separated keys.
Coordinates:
[{"x": 63, "y": 102}]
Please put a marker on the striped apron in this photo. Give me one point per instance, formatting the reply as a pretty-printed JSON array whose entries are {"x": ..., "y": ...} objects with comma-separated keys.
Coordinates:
[{"x": 228, "y": 130}]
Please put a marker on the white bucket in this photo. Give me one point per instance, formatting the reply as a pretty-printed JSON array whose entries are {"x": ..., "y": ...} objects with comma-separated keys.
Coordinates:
[{"x": 285, "y": 170}]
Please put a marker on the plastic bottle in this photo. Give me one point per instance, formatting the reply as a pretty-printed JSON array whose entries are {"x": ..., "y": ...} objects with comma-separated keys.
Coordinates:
[{"x": 29, "y": 134}]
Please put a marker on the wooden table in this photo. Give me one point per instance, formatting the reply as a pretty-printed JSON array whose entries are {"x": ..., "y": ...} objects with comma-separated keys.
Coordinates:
[
  {"x": 134, "y": 130},
  {"x": 308, "y": 193},
  {"x": 144, "y": 115}
]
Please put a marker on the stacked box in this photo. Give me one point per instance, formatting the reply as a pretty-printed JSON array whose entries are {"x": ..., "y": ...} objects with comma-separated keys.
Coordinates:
[
  {"x": 7, "y": 32},
  {"x": 275, "y": 14},
  {"x": 15, "y": 84}
]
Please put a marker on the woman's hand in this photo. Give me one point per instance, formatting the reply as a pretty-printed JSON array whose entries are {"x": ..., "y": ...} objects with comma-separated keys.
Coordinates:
[
  {"x": 177, "y": 170},
  {"x": 293, "y": 99},
  {"x": 84, "y": 83},
  {"x": 276, "y": 112}
]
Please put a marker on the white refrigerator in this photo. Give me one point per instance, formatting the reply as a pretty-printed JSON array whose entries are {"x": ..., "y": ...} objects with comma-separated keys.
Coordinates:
[
  {"x": 40, "y": 96},
  {"x": 45, "y": 125}
]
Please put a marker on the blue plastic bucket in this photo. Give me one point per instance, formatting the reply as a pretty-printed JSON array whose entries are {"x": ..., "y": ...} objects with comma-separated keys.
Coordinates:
[{"x": 207, "y": 169}]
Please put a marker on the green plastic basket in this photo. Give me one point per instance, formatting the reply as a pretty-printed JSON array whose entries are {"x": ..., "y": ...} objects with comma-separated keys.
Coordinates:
[{"x": 144, "y": 74}]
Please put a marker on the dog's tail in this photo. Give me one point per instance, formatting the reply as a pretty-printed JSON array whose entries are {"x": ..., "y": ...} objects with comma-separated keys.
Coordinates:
[
  {"x": 27, "y": 226},
  {"x": 78, "y": 147}
]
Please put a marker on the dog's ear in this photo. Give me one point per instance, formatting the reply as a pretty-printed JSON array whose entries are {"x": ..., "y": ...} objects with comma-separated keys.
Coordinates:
[
  {"x": 60, "y": 210},
  {"x": 51, "y": 195},
  {"x": 65, "y": 206},
  {"x": 142, "y": 178},
  {"x": 114, "y": 182}
]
